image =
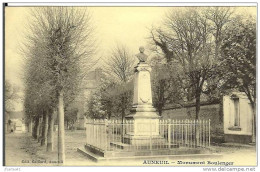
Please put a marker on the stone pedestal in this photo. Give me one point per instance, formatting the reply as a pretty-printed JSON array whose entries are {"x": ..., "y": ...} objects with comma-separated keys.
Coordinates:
[{"x": 146, "y": 120}]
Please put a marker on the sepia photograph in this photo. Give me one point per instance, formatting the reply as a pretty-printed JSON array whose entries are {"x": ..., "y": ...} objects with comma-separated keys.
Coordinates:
[{"x": 130, "y": 85}]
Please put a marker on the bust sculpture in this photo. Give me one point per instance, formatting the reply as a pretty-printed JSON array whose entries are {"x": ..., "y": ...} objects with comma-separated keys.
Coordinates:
[{"x": 141, "y": 56}]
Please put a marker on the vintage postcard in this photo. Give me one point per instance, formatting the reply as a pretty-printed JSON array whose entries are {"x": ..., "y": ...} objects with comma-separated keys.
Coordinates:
[{"x": 130, "y": 85}]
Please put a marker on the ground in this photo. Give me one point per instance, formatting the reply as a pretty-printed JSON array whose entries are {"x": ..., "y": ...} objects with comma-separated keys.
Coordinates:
[{"x": 23, "y": 150}]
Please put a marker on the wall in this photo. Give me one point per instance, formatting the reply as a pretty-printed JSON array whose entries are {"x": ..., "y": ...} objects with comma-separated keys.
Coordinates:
[{"x": 206, "y": 112}]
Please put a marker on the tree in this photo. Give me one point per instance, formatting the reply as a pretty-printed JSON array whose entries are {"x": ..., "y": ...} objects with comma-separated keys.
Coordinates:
[
  {"x": 63, "y": 39},
  {"x": 120, "y": 68},
  {"x": 187, "y": 42},
  {"x": 71, "y": 117},
  {"x": 11, "y": 95},
  {"x": 114, "y": 94},
  {"x": 219, "y": 17},
  {"x": 239, "y": 59},
  {"x": 95, "y": 106},
  {"x": 165, "y": 85},
  {"x": 39, "y": 92}
]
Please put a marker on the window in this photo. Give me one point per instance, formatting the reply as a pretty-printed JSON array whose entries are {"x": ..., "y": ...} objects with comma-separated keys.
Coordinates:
[{"x": 236, "y": 112}]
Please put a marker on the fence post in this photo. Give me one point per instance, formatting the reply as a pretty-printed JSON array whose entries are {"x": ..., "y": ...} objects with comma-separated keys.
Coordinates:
[
  {"x": 91, "y": 131},
  {"x": 173, "y": 123},
  {"x": 106, "y": 135},
  {"x": 177, "y": 133},
  {"x": 203, "y": 136},
  {"x": 86, "y": 123},
  {"x": 209, "y": 132},
  {"x": 182, "y": 132},
  {"x": 193, "y": 135},
  {"x": 124, "y": 130},
  {"x": 169, "y": 134},
  {"x": 185, "y": 128},
  {"x": 150, "y": 135},
  {"x": 113, "y": 134},
  {"x": 96, "y": 132},
  {"x": 200, "y": 133},
  {"x": 188, "y": 132},
  {"x": 127, "y": 130}
]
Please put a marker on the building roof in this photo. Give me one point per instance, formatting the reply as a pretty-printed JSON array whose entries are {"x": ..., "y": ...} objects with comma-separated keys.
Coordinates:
[
  {"x": 236, "y": 94},
  {"x": 92, "y": 79},
  {"x": 94, "y": 75}
]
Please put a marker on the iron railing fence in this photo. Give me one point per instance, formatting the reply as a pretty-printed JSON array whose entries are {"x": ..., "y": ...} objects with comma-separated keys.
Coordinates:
[{"x": 112, "y": 135}]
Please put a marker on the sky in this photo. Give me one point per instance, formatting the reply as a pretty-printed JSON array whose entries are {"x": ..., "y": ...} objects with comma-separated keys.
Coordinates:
[
  {"x": 113, "y": 25},
  {"x": 129, "y": 26}
]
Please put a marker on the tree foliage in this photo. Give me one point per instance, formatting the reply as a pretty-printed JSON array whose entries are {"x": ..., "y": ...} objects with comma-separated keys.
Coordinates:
[
  {"x": 114, "y": 95},
  {"x": 188, "y": 40},
  {"x": 239, "y": 57},
  {"x": 95, "y": 107},
  {"x": 12, "y": 96},
  {"x": 58, "y": 53},
  {"x": 166, "y": 87}
]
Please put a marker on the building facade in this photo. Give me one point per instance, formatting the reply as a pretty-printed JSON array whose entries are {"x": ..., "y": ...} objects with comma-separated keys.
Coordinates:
[
  {"x": 89, "y": 85},
  {"x": 238, "y": 118},
  {"x": 14, "y": 122}
]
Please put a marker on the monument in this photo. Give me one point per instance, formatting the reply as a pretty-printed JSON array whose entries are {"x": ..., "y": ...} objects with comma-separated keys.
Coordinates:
[
  {"x": 142, "y": 135},
  {"x": 146, "y": 120}
]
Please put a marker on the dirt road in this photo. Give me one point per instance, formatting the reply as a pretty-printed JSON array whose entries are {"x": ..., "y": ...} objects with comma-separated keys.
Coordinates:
[
  {"x": 23, "y": 150},
  {"x": 15, "y": 150}
]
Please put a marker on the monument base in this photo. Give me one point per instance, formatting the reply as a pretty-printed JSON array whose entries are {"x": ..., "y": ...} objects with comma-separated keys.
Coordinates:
[
  {"x": 145, "y": 129},
  {"x": 144, "y": 140},
  {"x": 145, "y": 123}
]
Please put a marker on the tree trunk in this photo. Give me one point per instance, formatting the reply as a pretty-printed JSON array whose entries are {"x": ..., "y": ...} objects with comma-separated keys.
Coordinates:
[
  {"x": 221, "y": 110},
  {"x": 35, "y": 128},
  {"x": 109, "y": 115},
  {"x": 122, "y": 119},
  {"x": 254, "y": 124},
  {"x": 160, "y": 107},
  {"x": 42, "y": 129},
  {"x": 197, "y": 117},
  {"x": 61, "y": 140},
  {"x": 50, "y": 133},
  {"x": 30, "y": 126},
  {"x": 189, "y": 99},
  {"x": 197, "y": 105},
  {"x": 122, "y": 129},
  {"x": 39, "y": 129},
  {"x": 45, "y": 129}
]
